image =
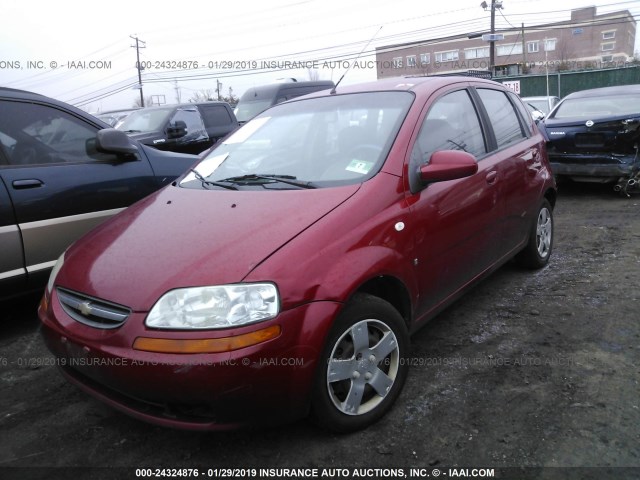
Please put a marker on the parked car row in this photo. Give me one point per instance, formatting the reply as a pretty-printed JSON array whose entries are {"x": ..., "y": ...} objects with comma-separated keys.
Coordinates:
[
  {"x": 299, "y": 254},
  {"x": 62, "y": 172}
]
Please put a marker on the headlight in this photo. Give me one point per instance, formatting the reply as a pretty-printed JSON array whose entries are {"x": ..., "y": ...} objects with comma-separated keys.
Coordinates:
[
  {"x": 222, "y": 306},
  {"x": 54, "y": 272}
]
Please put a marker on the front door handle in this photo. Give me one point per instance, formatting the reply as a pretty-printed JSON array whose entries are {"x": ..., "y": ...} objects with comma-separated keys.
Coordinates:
[
  {"x": 27, "y": 183},
  {"x": 491, "y": 177}
]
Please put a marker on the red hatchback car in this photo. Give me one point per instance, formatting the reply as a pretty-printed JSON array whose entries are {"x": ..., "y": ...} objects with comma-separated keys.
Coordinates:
[{"x": 283, "y": 275}]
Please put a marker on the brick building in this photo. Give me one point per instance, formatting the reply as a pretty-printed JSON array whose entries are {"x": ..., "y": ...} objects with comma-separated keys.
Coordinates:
[{"x": 586, "y": 41}]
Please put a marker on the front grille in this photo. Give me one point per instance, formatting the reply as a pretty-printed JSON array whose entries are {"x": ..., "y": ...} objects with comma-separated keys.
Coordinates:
[{"x": 92, "y": 311}]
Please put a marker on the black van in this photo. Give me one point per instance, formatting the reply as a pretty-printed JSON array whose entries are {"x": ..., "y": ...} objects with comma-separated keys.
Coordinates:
[
  {"x": 186, "y": 128},
  {"x": 257, "y": 99}
]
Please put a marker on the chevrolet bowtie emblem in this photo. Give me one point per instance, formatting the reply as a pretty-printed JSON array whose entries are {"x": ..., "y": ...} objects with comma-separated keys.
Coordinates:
[{"x": 85, "y": 308}]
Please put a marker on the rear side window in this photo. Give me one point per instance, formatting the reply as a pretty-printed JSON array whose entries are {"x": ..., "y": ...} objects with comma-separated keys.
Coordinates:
[
  {"x": 503, "y": 117},
  {"x": 215, "y": 115}
]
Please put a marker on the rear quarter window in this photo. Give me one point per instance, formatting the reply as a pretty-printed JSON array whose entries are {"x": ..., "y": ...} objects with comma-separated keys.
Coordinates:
[
  {"x": 524, "y": 114},
  {"x": 215, "y": 116}
]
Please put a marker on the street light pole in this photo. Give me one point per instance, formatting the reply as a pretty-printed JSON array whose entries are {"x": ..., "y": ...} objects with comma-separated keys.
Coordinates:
[{"x": 492, "y": 43}]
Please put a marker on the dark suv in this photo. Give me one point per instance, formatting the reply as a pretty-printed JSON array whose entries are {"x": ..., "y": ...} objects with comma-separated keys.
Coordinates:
[
  {"x": 186, "y": 128},
  {"x": 62, "y": 172}
]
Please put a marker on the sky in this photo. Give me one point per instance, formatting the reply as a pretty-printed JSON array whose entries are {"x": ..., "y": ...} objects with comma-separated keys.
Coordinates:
[{"x": 81, "y": 52}]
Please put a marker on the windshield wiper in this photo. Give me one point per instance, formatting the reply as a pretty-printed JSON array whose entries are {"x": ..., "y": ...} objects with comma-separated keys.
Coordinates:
[
  {"x": 288, "y": 179},
  {"x": 209, "y": 182}
]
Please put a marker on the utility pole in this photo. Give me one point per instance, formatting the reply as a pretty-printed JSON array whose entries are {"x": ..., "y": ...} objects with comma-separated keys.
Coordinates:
[
  {"x": 178, "y": 93},
  {"x": 524, "y": 52},
  {"x": 138, "y": 66},
  {"x": 218, "y": 87},
  {"x": 492, "y": 44}
]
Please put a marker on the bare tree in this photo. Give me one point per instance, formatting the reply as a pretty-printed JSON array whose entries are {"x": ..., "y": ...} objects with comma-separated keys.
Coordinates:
[
  {"x": 147, "y": 101},
  {"x": 231, "y": 99},
  {"x": 203, "y": 96},
  {"x": 313, "y": 74}
]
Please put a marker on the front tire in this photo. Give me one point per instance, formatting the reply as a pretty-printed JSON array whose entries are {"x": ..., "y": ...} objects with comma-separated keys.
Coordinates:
[
  {"x": 538, "y": 250},
  {"x": 363, "y": 366}
]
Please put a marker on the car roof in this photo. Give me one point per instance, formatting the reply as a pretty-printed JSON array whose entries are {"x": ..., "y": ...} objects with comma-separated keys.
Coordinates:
[
  {"x": 604, "y": 91},
  {"x": 22, "y": 94},
  {"x": 183, "y": 105},
  {"x": 407, "y": 84},
  {"x": 539, "y": 97},
  {"x": 271, "y": 89},
  {"x": 119, "y": 110},
  {"x": 16, "y": 94}
]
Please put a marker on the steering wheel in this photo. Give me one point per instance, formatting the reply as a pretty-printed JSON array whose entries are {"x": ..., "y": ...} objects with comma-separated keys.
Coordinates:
[
  {"x": 22, "y": 154},
  {"x": 369, "y": 152}
]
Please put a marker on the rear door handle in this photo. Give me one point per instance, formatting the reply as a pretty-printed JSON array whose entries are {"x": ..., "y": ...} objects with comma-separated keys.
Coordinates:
[
  {"x": 491, "y": 177},
  {"x": 27, "y": 183}
]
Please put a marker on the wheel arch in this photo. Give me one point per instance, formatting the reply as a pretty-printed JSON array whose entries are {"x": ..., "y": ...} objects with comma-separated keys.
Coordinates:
[
  {"x": 551, "y": 195},
  {"x": 393, "y": 291}
]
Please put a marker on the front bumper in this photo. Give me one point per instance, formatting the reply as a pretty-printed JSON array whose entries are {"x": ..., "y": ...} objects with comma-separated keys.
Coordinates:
[{"x": 268, "y": 383}]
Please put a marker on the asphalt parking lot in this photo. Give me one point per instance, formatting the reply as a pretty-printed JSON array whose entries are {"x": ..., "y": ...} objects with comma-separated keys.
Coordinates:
[{"x": 531, "y": 375}]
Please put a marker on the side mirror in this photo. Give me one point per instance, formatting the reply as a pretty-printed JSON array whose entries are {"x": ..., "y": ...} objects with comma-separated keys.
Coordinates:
[
  {"x": 448, "y": 165},
  {"x": 110, "y": 140},
  {"x": 177, "y": 129},
  {"x": 537, "y": 115}
]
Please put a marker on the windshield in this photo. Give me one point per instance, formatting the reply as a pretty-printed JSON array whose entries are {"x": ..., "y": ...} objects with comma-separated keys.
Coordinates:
[
  {"x": 146, "y": 120},
  {"x": 326, "y": 141},
  {"x": 246, "y": 110},
  {"x": 589, "y": 107}
]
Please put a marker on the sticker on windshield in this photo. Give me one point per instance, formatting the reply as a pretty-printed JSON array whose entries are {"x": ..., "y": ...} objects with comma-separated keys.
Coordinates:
[
  {"x": 246, "y": 130},
  {"x": 206, "y": 167},
  {"x": 359, "y": 166}
]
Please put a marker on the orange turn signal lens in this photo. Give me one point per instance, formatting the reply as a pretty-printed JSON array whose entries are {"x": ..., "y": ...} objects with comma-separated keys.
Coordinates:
[{"x": 207, "y": 345}]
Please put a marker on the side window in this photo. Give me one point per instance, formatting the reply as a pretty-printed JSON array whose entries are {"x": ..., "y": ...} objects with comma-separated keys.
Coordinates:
[
  {"x": 215, "y": 115},
  {"x": 193, "y": 120},
  {"x": 33, "y": 134},
  {"x": 525, "y": 116},
  {"x": 503, "y": 117},
  {"x": 451, "y": 124}
]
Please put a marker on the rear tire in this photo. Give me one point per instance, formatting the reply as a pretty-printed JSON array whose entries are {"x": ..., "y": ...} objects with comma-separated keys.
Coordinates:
[
  {"x": 363, "y": 366},
  {"x": 538, "y": 250}
]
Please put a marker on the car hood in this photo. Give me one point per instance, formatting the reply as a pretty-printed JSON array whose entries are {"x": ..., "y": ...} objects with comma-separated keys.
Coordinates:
[
  {"x": 182, "y": 237},
  {"x": 608, "y": 134}
]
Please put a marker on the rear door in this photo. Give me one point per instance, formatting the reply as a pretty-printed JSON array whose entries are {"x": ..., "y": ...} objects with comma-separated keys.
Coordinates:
[
  {"x": 58, "y": 190},
  {"x": 456, "y": 221},
  {"x": 518, "y": 156}
]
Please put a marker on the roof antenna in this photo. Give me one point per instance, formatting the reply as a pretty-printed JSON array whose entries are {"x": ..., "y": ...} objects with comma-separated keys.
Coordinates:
[{"x": 333, "y": 90}]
